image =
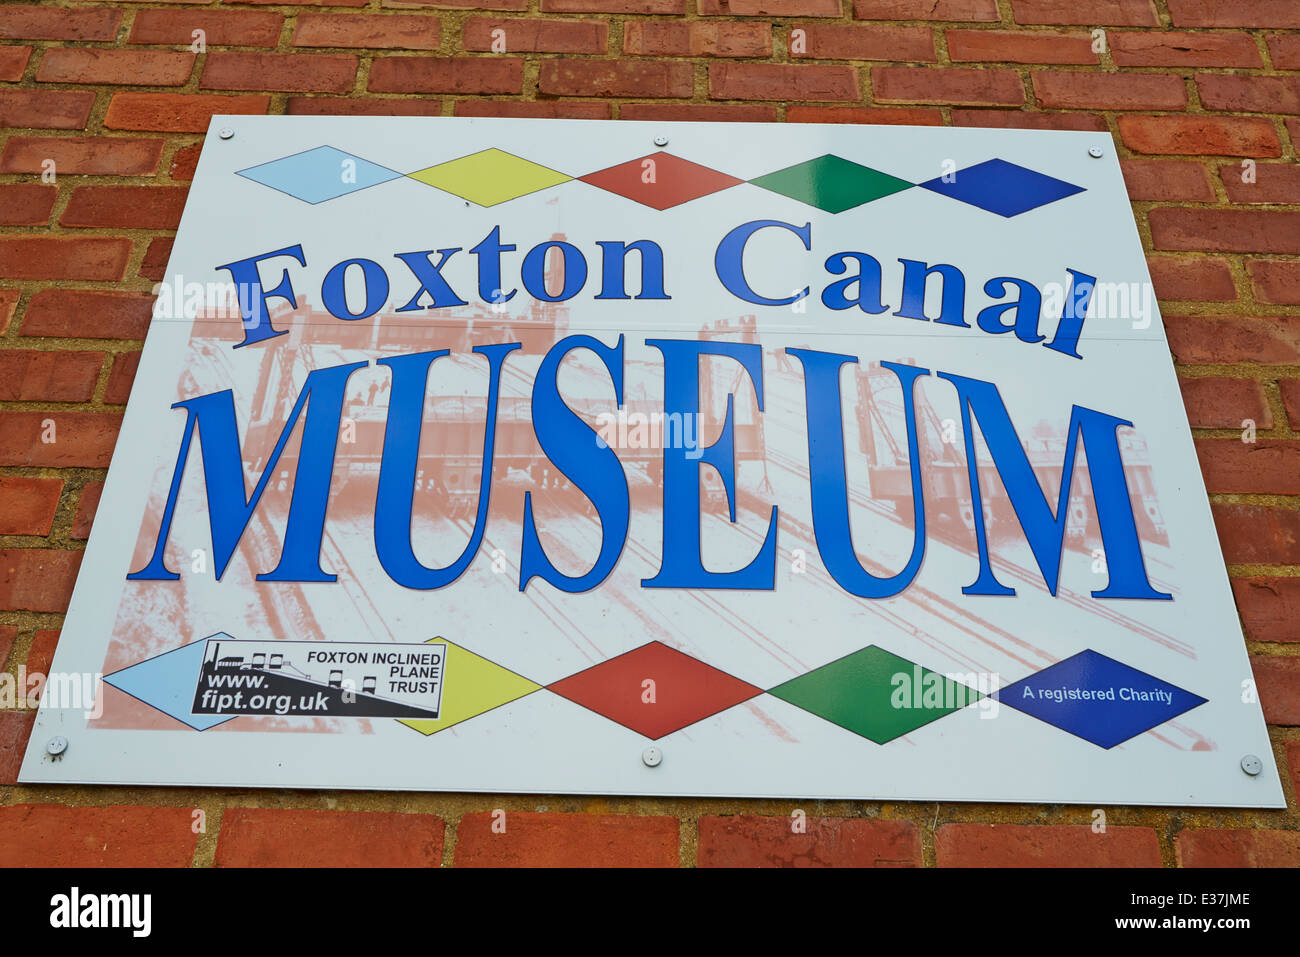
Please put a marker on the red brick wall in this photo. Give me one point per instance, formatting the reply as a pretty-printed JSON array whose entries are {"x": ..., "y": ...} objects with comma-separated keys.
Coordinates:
[{"x": 113, "y": 94}]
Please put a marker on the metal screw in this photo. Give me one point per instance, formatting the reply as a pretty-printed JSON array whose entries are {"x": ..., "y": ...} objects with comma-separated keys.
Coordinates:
[
  {"x": 1252, "y": 765},
  {"x": 1095, "y": 152},
  {"x": 226, "y": 133},
  {"x": 661, "y": 141},
  {"x": 652, "y": 757},
  {"x": 57, "y": 745}
]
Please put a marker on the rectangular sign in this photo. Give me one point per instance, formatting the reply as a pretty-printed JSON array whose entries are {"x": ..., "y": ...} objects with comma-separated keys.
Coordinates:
[{"x": 666, "y": 459}]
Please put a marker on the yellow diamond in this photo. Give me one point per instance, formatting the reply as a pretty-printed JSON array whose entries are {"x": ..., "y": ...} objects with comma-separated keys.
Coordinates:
[
  {"x": 489, "y": 177},
  {"x": 472, "y": 685}
]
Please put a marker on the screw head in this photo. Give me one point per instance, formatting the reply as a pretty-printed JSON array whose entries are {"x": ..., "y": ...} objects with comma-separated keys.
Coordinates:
[
  {"x": 1095, "y": 152},
  {"x": 652, "y": 757},
  {"x": 56, "y": 745},
  {"x": 226, "y": 133},
  {"x": 661, "y": 141},
  {"x": 1252, "y": 765}
]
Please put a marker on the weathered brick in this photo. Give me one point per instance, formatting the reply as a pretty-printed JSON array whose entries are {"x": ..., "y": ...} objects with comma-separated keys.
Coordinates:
[
  {"x": 1252, "y": 14},
  {"x": 1020, "y": 46},
  {"x": 1265, "y": 466},
  {"x": 1133, "y": 48},
  {"x": 615, "y": 78},
  {"x": 37, "y": 579},
  {"x": 1219, "y": 402},
  {"x": 127, "y": 207},
  {"x": 565, "y": 109},
  {"x": 1107, "y": 13},
  {"x": 960, "y": 86},
  {"x": 83, "y": 314},
  {"x": 40, "y": 656},
  {"x": 1200, "y": 135},
  {"x": 8, "y": 303},
  {"x": 536, "y": 36},
  {"x": 1034, "y": 845},
  {"x": 30, "y": 22},
  {"x": 177, "y": 112},
  {"x": 1284, "y": 50},
  {"x": 483, "y": 75},
  {"x": 1270, "y": 607},
  {"x": 834, "y": 41},
  {"x": 48, "y": 257},
  {"x": 709, "y": 112},
  {"x": 533, "y": 839},
  {"x": 677, "y": 38},
  {"x": 80, "y": 439},
  {"x": 1225, "y": 230},
  {"x": 116, "y": 67},
  {"x": 1275, "y": 280},
  {"x": 27, "y": 507},
  {"x": 184, "y": 162},
  {"x": 1237, "y": 847},
  {"x": 971, "y": 10},
  {"x": 91, "y": 155},
  {"x": 361, "y": 106},
  {"x": 751, "y": 841},
  {"x": 45, "y": 109},
  {"x": 900, "y": 115},
  {"x": 87, "y": 505},
  {"x": 1277, "y": 679},
  {"x": 774, "y": 81},
  {"x": 13, "y": 62},
  {"x": 62, "y": 376},
  {"x": 661, "y": 7},
  {"x": 294, "y": 72},
  {"x": 1290, "y": 389},
  {"x": 120, "y": 377},
  {"x": 15, "y": 730},
  {"x": 769, "y": 8},
  {"x": 1249, "y": 94},
  {"x": 1027, "y": 120},
  {"x": 1167, "y": 181},
  {"x": 154, "y": 264},
  {"x": 1203, "y": 279},
  {"x": 26, "y": 204},
  {"x": 51, "y": 835},
  {"x": 1251, "y": 182},
  {"x": 1110, "y": 91},
  {"x": 235, "y": 28},
  {"x": 396, "y": 32},
  {"x": 256, "y": 837},
  {"x": 1258, "y": 534}
]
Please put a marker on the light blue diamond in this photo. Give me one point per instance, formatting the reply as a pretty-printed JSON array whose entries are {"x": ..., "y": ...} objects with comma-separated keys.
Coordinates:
[{"x": 319, "y": 174}]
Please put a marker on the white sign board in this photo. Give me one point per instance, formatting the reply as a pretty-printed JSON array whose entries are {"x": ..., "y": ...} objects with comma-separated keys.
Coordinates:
[{"x": 665, "y": 459}]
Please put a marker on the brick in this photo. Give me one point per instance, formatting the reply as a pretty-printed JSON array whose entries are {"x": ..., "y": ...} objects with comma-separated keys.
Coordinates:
[
  {"x": 1284, "y": 50},
  {"x": 8, "y": 633},
  {"x": 361, "y": 106},
  {"x": 1167, "y": 181},
  {"x": 177, "y": 112},
  {"x": 482, "y": 75},
  {"x": 902, "y": 115},
  {"x": 1020, "y": 46},
  {"x": 661, "y": 7},
  {"x": 1204, "y": 279},
  {"x": 126, "y": 207},
  {"x": 1253, "y": 14},
  {"x": 1110, "y": 91},
  {"x": 958, "y": 86},
  {"x": 82, "y": 439},
  {"x": 533, "y": 839},
  {"x": 1200, "y": 135},
  {"x": 15, "y": 730},
  {"x": 1275, "y": 280},
  {"x": 45, "y": 109},
  {"x": 1219, "y": 402},
  {"x": 773, "y": 81},
  {"x": 536, "y": 36},
  {"x": 37, "y": 579},
  {"x": 1225, "y": 230},
  {"x": 87, "y": 506},
  {"x": 564, "y": 109},
  {"x": 708, "y": 112},
  {"x": 256, "y": 837},
  {"x": 26, "y": 204},
  {"x": 1270, "y": 608},
  {"x": 651, "y": 38},
  {"x": 28, "y": 22},
  {"x": 27, "y": 507},
  {"x": 454, "y": 4},
  {"x": 234, "y": 28},
  {"x": 184, "y": 162},
  {"x": 118, "y": 387},
  {"x": 83, "y": 155},
  {"x": 395, "y": 32},
  {"x": 294, "y": 72},
  {"x": 1107, "y": 13},
  {"x": 40, "y": 657},
  {"x": 323, "y": 3},
  {"x": 154, "y": 264},
  {"x": 1025, "y": 120},
  {"x": 85, "y": 314},
  {"x": 615, "y": 78},
  {"x": 1293, "y": 760},
  {"x": 1258, "y": 534},
  {"x": 1035, "y": 845},
  {"x": 1277, "y": 679},
  {"x": 1237, "y": 847},
  {"x": 116, "y": 67},
  {"x": 770, "y": 8},
  {"x": 1209, "y": 339},
  {"x": 833, "y": 41},
  {"x": 13, "y": 62},
  {"x": 1249, "y": 94},
  {"x": 1183, "y": 49},
  {"x": 1290, "y": 389},
  {"x": 57, "y": 258},
  {"x": 8, "y": 303},
  {"x": 1266, "y": 466},
  {"x": 1272, "y": 182},
  {"x": 970, "y": 10},
  {"x": 52, "y": 835},
  {"x": 751, "y": 841},
  {"x": 63, "y": 376}
]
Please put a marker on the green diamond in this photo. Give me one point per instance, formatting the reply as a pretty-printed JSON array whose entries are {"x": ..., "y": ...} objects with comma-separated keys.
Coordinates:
[
  {"x": 876, "y": 694},
  {"x": 831, "y": 183},
  {"x": 490, "y": 176}
]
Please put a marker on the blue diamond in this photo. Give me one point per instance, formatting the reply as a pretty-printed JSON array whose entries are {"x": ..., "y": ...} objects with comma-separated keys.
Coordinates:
[
  {"x": 1003, "y": 188},
  {"x": 1098, "y": 699},
  {"x": 319, "y": 174}
]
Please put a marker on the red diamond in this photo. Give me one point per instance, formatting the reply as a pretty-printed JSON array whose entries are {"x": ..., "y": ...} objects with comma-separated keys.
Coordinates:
[
  {"x": 660, "y": 180},
  {"x": 685, "y": 690}
]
